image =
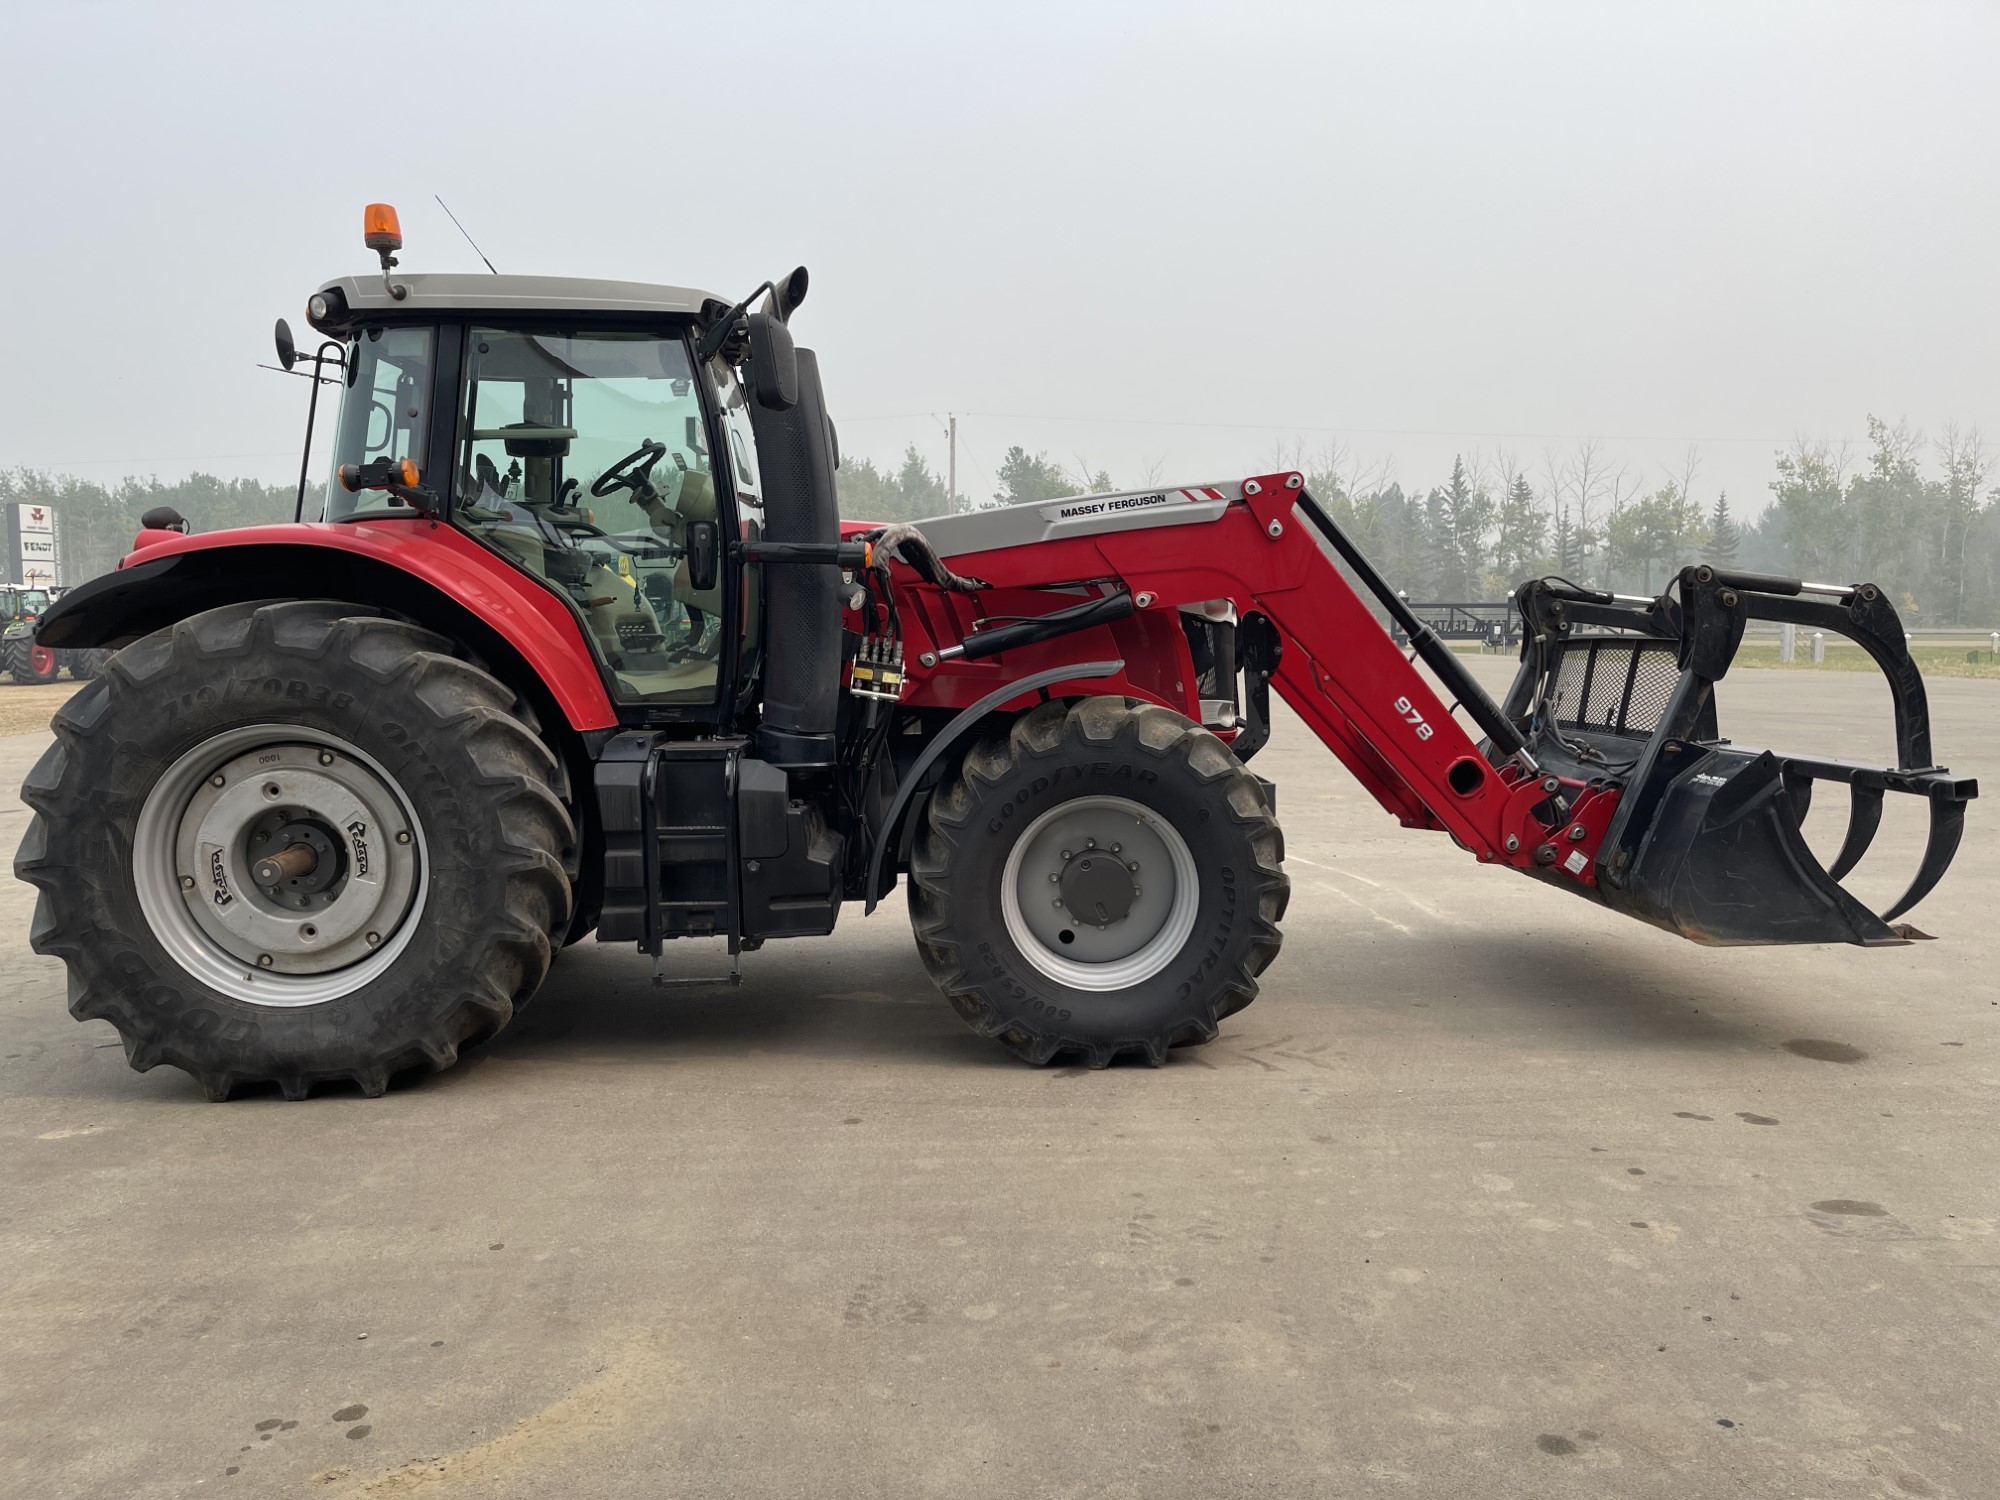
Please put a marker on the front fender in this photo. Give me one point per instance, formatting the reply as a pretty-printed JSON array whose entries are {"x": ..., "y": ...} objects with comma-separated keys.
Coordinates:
[{"x": 429, "y": 573}]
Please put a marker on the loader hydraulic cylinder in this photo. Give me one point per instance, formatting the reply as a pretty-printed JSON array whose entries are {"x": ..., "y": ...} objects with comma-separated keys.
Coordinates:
[
  {"x": 1439, "y": 657},
  {"x": 1042, "y": 628}
]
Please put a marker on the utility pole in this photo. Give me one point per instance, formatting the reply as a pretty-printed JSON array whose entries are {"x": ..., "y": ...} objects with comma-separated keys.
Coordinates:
[{"x": 951, "y": 474}]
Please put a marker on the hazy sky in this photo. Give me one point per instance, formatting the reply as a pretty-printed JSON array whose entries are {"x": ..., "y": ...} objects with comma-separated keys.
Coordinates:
[{"x": 1148, "y": 234}]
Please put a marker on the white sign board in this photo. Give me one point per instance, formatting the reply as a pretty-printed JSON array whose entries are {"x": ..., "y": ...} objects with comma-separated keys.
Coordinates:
[
  {"x": 35, "y": 520},
  {"x": 37, "y": 575},
  {"x": 38, "y": 549}
]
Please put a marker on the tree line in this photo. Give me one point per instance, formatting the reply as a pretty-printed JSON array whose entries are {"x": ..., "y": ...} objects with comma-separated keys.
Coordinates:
[
  {"x": 95, "y": 523},
  {"x": 1921, "y": 517}
]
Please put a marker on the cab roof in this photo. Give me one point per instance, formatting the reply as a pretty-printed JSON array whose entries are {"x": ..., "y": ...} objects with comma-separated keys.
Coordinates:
[{"x": 367, "y": 300}]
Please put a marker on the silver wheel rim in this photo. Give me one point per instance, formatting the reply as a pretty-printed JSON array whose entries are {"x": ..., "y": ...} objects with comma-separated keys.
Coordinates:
[
  {"x": 304, "y": 940},
  {"x": 1068, "y": 946}
]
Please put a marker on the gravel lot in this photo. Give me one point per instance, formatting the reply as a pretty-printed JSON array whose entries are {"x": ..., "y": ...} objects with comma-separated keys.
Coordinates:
[{"x": 1491, "y": 1194}]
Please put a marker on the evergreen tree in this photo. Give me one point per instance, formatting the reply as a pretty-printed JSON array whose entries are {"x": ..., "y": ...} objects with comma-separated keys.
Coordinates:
[
  {"x": 1571, "y": 545},
  {"x": 911, "y": 493},
  {"x": 1026, "y": 478},
  {"x": 1521, "y": 527},
  {"x": 1723, "y": 537},
  {"x": 1459, "y": 515},
  {"x": 922, "y": 491}
]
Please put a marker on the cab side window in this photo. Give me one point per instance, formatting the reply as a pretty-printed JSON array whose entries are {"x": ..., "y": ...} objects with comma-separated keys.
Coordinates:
[{"x": 583, "y": 458}]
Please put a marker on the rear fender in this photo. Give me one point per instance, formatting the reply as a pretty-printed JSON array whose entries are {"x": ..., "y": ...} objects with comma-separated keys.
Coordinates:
[{"x": 430, "y": 574}]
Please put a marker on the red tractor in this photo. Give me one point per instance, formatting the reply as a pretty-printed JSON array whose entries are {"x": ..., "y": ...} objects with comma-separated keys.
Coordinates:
[{"x": 580, "y": 644}]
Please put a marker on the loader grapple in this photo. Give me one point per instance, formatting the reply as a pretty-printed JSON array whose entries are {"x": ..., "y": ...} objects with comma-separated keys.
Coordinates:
[{"x": 1706, "y": 840}]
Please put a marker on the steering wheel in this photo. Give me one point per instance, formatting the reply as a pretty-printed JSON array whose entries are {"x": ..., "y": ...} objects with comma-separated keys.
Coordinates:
[{"x": 615, "y": 477}]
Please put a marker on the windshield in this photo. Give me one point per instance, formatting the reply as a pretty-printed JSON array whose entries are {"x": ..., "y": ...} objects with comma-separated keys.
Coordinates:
[
  {"x": 385, "y": 413},
  {"x": 583, "y": 458}
]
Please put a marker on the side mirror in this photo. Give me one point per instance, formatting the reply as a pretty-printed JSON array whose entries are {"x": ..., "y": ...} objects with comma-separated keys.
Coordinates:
[
  {"x": 288, "y": 352},
  {"x": 790, "y": 292},
  {"x": 163, "y": 518},
  {"x": 774, "y": 363},
  {"x": 702, "y": 540}
]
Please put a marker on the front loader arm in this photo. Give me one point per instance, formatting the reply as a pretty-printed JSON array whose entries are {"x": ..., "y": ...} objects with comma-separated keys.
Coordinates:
[
  {"x": 1616, "y": 786},
  {"x": 1336, "y": 665}
]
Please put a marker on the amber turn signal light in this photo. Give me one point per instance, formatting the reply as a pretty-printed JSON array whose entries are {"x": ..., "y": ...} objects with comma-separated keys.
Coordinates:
[
  {"x": 380, "y": 229},
  {"x": 382, "y": 474}
]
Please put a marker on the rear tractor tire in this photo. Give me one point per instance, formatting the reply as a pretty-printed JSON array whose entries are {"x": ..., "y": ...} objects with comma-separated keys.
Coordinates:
[
  {"x": 30, "y": 663},
  {"x": 87, "y": 662},
  {"x": 1100, "y": 879},
  {"x": 422, "y": 879}
]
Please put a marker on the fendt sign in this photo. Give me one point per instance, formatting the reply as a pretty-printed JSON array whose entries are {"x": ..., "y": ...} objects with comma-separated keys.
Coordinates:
[{"x": 32, "y": 556}]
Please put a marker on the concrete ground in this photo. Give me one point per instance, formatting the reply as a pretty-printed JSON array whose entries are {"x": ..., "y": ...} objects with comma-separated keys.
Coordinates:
[{"x": 1491, "y": 1194}]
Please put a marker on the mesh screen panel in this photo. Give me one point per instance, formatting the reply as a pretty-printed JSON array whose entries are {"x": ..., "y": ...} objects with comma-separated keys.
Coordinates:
[
  {"x": 1656, "y": 675},
  {"x": 1620, "y": 687}
]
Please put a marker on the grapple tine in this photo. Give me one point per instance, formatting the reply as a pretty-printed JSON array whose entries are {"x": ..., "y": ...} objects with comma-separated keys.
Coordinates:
[
  {"x": 1947, "y": 824},
  {"x": 1862, "y": 821},
  {"x": 1798, "y": 787}
]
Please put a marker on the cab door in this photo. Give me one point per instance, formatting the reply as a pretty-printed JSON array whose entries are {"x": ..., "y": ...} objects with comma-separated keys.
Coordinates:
[{"x": 584, "y": 453}]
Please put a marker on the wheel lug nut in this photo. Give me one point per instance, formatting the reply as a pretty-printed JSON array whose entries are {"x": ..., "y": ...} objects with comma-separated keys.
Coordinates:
[
  {"x": 374, "y": 938},
  {"x": 263, "y": 960},
  {"x": 403, "y": 837},
  {"x": 1054, "y": 878},
  {"x": 1065, "y": 854},
  {"x": 1057, "y": 903},
  {"x": 187, "y": 882},
  {"x": 215, "y": 781},
  {"x": 326, "y": 757},
  {"x": 1115, "y": 848},
  {"x": 1090, "y": 843}
]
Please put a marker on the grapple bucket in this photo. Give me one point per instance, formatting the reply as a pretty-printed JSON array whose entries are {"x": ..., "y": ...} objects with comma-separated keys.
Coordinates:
[{"x": 1705, "y": 840}]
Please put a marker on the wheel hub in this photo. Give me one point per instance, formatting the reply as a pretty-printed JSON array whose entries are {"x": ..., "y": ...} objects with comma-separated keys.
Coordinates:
[
  {"x": 278, "y": 867},
  {"x": 1098, "y": 886},
  {"x": 1099, "y": 893},
  {"x": 294, "y": 858}
]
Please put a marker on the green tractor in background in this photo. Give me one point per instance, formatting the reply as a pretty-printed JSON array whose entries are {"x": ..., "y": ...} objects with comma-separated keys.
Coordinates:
[{"x": 24, "y": 660}]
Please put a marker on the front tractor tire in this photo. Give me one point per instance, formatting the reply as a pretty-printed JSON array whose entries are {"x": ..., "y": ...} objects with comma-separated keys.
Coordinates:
[
  {"x": 1099, "y": 879},
  {"x": 422, "y": 881}
]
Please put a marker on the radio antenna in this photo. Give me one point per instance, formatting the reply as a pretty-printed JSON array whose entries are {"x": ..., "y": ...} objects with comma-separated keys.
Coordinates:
[{"x": 468, "y": 238}]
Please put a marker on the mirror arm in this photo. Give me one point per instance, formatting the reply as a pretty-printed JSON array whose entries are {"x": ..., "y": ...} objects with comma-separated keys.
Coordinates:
[
  {"x": 719, "y": 331},
  {"x": 420, "y": 498},
  {"x": 320, "y": 357}
]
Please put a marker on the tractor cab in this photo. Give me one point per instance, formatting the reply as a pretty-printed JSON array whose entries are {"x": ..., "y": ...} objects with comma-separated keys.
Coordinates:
[
  {"x": 571, "y": 428},
  {"x": 22, "y": 604}
]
